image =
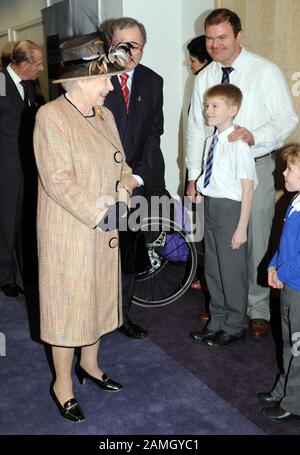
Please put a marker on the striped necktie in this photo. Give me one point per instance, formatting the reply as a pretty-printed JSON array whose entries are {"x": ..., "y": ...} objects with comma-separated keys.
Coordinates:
[
  {"x": 209, "y": 162},
  {"x": 226, "y": 71},
  {"x": 125, "y": 89}
]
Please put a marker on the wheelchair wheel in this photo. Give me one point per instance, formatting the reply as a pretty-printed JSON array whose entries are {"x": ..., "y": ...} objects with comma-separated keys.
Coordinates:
[{"x": 162, "y": 281}]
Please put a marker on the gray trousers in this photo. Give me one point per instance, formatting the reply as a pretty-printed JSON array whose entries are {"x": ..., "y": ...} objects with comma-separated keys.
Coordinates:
[
  {"x": 259, "y": 230},
  {"x": 225, "y": 269},
  {"x": 287, "y": 388}
]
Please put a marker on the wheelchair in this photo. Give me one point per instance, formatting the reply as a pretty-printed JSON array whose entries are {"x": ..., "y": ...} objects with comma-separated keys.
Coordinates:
[{"x": 170, "y": 265}]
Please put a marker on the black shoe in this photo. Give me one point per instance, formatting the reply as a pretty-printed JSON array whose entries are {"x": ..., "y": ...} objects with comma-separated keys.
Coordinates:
[
  {"x": 105, "y": 383},
  {"x": 222, "y": 338},
  {"x": 279, "y": 414},
  {"x": 70, "y": 410},
  {"x": 202, "y": 335},
  {"x": 12, "y": 290},
  {"x": 267, "y": 397},
  {"x": 132, "y": 330}
]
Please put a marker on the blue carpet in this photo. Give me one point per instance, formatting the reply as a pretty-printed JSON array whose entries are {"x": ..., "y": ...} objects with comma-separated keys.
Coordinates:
[
  {"x": 160, "y": 397},
  {"x": 236, "y": 373}
]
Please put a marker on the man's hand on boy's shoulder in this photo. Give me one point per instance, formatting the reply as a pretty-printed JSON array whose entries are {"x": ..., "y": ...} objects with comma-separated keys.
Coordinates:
[{"x": 241, "y": 133}]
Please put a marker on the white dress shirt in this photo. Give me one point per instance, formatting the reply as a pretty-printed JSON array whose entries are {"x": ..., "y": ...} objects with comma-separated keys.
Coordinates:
[
  {"x": 267, "y": 108},
  {"x": 232, "y": 161},
  {"x": 16, "y": 80}
]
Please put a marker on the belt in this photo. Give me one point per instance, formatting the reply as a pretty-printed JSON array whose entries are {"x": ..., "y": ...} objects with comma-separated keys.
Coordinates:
[{"x": 258, "y": 158}]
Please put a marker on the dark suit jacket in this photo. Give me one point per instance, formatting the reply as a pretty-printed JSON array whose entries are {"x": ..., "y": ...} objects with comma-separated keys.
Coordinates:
[
  {"x": 18, "y": 178},
  {"x": 16, "y": 130},
  {"x": 140, "y": 130}
]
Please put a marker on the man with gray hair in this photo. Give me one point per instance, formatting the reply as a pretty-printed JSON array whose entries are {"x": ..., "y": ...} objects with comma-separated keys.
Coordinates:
[{"x": 17, "y": 117}]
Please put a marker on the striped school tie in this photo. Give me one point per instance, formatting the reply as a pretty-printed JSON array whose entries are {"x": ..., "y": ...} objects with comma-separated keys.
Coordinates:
[{"x": 209, "y": 162}]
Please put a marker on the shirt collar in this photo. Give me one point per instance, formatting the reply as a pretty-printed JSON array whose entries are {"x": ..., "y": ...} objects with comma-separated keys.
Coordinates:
[
  {"x": 238, "y": 61},
  {"x": 129, "y": 74},
  {"x": 15, "y": 77},
  {"x": 296, "y": 203},
  {"x": 222, "y": 137}
]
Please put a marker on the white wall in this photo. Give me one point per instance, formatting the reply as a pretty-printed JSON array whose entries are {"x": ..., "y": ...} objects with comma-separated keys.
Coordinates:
[
  {"x": 192, "y": 18},
  {"x": 15, "y": 12},
  {"x": 170, "y": 24}
]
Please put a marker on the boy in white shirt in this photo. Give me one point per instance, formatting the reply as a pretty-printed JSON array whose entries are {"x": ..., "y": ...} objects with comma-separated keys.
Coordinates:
[{"x": 227, "y": 183}]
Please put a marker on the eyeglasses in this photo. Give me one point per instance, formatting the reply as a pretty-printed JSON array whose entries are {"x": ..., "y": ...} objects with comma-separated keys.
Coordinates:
[{"x": 136, "y": 46}]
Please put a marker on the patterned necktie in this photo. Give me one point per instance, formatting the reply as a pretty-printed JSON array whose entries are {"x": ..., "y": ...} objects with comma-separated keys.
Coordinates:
[
  {"x": 209, "y": 162},
  {"x": 125, "y": 89},
  {"x": 25, "y": 88},
  {"x": 226, "y": 71}
]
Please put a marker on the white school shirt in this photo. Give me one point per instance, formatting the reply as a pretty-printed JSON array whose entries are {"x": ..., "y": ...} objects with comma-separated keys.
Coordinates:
[
  {"x": 266, "y": 111},
  {"x": 232, "y": 161},
  {"x": 295, "y": 205}
]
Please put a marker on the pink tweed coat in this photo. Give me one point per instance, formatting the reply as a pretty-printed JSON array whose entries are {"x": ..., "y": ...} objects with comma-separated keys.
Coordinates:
[{"x": 79, "y": 161}]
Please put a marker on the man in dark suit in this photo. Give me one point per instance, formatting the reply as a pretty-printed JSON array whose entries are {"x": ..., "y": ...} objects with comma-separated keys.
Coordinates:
[
  {"x": 137, "y": 105},
  {"x": 18, "y": 173}
]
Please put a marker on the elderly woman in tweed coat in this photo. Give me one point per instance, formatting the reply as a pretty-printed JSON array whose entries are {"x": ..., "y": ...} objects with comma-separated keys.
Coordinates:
[{"x": 82, "y": 173}]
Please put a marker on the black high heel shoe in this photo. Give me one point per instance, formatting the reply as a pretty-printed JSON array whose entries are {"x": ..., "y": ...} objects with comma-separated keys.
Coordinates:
[
  {"x": 104, "y": 383},
  {"x": 70, "y": 410}
]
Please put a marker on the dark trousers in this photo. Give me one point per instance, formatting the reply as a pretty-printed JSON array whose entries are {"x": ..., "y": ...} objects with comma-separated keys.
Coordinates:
[
  {"x": 225, "y": 269},
  {"x": 287, "y": 388},
  {"x": 134, "y": 257},
  {"x": 127, "y": 249},
  {"x": 11, "y": 203}
]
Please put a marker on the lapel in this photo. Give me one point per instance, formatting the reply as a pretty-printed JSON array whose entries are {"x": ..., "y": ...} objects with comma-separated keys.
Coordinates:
[
  {"x": 136, "y": 92},
  {"x": 116, "y": 104},
  {"x": 14, "y": 95},
  {"x": 101, "y": 126},
  {"x": 136, "y": 98},
  {"x": 12, "y": 91}
]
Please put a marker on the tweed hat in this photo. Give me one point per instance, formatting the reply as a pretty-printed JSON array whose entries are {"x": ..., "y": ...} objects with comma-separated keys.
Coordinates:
[{"x": 86, "y": 56}]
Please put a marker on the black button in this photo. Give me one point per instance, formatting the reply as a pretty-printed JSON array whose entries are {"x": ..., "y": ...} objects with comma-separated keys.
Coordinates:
[
  {"x": 118, "y": 157},
  {"x": 114, "y": 242}
]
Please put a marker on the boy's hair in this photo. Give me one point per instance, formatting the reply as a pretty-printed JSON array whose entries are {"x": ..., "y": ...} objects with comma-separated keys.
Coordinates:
[
  {"x": 229, "y": 92},
  {"x": 219, "y": 15},
  {"x": 291, "y": 153}
]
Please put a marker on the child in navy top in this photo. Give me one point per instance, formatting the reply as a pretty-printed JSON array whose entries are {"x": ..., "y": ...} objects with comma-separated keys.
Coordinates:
[{"x": 284, "y": 274}]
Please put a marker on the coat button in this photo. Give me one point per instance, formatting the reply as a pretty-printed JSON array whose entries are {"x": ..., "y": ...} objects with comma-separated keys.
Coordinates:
[
  {"x": 118, "y": 157},
  {"x": 113, "y": 242}
]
